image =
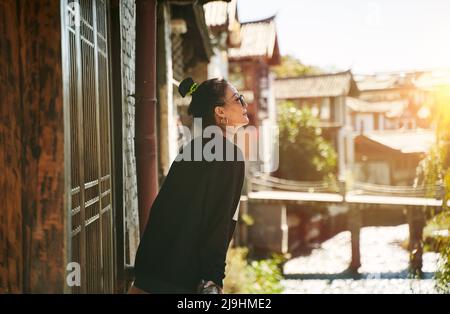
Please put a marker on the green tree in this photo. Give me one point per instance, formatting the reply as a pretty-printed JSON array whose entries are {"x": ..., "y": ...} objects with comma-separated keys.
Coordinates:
[
  {"x": 304, "y": 154},
  {"x": 291, "y": 67},
  {"x": 252, "y": 276},
  {"x": 435, "y": 167}
]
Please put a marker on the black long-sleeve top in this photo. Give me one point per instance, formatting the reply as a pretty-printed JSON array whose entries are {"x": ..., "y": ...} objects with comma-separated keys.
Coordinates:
[{"x": 191, "y": 222}]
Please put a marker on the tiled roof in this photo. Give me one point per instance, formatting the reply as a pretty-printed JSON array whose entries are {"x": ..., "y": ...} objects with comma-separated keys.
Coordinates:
[
  {"x": 259, "y": 39},
  {"x": 385, "y": 81},
  {"x": 420, "y": 79},
  {"x": 407, "y": 141},
  {"x": 432, "y": 79},
  {"x": 390, "y": 108},
  {"x": 220, "y": 13},
  {"x": 322, "y": 85}
]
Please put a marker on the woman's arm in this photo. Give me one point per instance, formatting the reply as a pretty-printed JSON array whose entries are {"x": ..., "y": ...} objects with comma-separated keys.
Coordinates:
[{"x": 223, "y": 194}]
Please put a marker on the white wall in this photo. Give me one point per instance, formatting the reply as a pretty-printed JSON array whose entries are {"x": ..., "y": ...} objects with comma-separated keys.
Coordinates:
[
  {"x": 130, "y": 197},
  {"x": 218, "y": 64},
  {"x": 270, "y": 141},
  {"x": 365, "y": 119}
]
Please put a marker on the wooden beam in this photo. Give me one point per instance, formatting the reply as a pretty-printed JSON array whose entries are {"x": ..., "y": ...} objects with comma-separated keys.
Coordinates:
[
  {"x": 117, "y": 139},
  {"x": 33, "y": 235},
  {"x": 354, "y": 225},
  {"x": 43, "y": 202},
  {"x": 416, "y": 222},
  {"x": 11, "y": 258},
  {"x": 397, "y": 201}
]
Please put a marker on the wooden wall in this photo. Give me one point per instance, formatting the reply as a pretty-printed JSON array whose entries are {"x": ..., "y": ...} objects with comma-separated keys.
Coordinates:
[
  {"x": 11, "y": 259},
  {"x": 33, "y": 237}
]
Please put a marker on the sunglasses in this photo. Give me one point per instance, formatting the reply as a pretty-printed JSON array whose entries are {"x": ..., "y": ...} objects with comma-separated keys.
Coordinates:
[{"x": 240, "y": 98}]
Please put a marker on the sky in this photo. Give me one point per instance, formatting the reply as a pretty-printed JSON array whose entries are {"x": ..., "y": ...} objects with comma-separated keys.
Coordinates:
[{"x": 367, "y": 36}]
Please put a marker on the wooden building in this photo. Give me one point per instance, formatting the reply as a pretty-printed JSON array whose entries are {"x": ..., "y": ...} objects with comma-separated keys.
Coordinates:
[
  {"x": 364, "y": 116},
  {"x": 78, "y": 137},
  {"x": 326, "y": 96},
  {"x": 250, "y": 67},
  {"x": 225, "y": 29},
  {"x": 430, "y": 87},
  {"x": 390, "y": 157},
  {"x": 184, "y": 48},
  {"x": 394, "y": 90}
]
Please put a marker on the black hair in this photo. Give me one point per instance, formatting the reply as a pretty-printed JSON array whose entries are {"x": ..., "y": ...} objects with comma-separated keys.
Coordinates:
[{"x": 205, "y": 97}]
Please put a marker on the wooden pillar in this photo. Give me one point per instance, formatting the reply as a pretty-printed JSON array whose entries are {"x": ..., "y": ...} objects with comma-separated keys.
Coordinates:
[
  {"x": 416, "y": 222},
  {"x": 243, "y": 228},
  {"x": 44, "y": 208},
  {"x": 269, "y": 233},
  {"x": 11, "y": 257},
  {"x": 33, "y": 215},
  {"x": 145, "y": 136},
  {"x": 117, "y": 96},
  {"x": 354, "y": 224}
]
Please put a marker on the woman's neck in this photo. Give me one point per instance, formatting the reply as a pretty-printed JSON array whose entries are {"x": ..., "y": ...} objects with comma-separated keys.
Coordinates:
[{"x": 229, "y": 131}]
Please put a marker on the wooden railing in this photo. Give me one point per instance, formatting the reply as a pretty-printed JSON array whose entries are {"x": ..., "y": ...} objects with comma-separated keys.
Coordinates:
[
  {"x": 261, "y": 182},
  {"x": 264, "y": 190}
]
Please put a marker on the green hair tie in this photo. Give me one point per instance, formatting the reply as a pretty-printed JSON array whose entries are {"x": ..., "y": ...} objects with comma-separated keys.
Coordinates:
[{"x": 192, "y": 89}]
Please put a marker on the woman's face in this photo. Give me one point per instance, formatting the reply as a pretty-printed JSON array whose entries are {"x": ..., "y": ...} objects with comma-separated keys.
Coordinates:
[{"x": 234, "y": 108}]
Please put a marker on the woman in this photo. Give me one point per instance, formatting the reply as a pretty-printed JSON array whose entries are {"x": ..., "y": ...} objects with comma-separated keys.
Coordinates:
[{"x": 184, "y": 246}]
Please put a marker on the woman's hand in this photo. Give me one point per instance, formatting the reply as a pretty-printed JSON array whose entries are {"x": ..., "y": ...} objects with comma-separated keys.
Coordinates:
[{"x": 209, "y": 287}]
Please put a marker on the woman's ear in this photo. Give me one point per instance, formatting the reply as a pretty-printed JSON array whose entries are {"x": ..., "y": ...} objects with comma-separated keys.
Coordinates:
[{"x": 219, "y": 111}]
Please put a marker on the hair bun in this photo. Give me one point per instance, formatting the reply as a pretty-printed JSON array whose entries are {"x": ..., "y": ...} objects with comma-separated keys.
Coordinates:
[{"x": 187, "y": 87}]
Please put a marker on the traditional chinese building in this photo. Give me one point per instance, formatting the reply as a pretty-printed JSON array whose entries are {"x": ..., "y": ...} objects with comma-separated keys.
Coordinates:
[
  {"x": 326, "y": 96},
  {"x": 78, "y": 135},
  {"x": 390, "y": 157},
  {"x": 186, "y": 46},
  {"x": 395, "y": 91},
  {"x": 249, "y": 67},
  {"x": 364, "y": 116},
  {"x": 225, "y": 29}
]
